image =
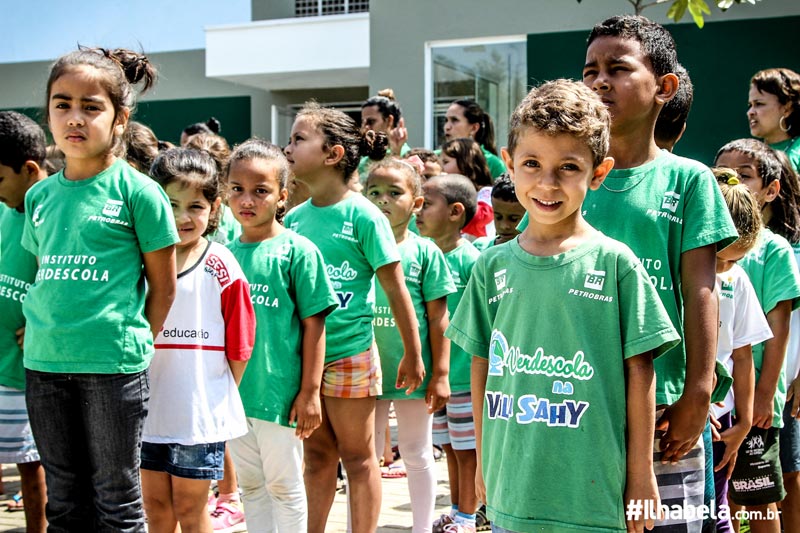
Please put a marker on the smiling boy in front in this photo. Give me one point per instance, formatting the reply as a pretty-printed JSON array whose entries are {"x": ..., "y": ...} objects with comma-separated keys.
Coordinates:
[{"x": 571, "y": 375}]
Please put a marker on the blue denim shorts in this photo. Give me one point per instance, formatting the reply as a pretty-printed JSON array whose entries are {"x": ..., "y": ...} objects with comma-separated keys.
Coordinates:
[
  {"x": 790, "y": 441},
  {"x": 198, "y": 461}
]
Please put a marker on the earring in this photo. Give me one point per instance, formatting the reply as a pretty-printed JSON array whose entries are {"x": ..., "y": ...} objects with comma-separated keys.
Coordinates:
[{"x": 782, "y": 125}]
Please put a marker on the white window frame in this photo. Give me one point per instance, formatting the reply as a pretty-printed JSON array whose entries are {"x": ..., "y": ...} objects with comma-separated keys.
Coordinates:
[{"x": 428, "y": 81}]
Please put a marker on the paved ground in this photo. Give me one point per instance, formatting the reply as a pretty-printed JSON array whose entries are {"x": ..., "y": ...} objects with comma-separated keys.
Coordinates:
[{"x": 395, "y": 512}]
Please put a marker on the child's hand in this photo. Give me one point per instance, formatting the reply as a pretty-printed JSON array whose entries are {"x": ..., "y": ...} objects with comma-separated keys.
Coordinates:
[
  {"x": 683, "y": 422},
  {"x": 762, "y": 411},
  {"x": 410, "y": 373},
  {"x": 793, "y": 395},
  {"x": 306, "y": 413},
  {"x": 480, "y": 485},
  {"x": 715, "y": 426},
  {"x": 438, "y": 393},
  {"x": 398, "y": 137},
  {"x": 20, "y": 333},
  {"x": 733, "y": 438},
  {"x": 639, "y": 490}
]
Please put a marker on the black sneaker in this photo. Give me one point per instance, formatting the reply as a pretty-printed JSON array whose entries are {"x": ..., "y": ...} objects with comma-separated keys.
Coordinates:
[{"x": 481, "y": 520}]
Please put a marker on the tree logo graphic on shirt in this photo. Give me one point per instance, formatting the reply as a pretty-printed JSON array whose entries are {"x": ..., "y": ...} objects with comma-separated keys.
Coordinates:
[
  {"x": 670, "y": 201},
  {"x": 595, "y": 279},
  {"x": 37, "y": 216},
  {"x": 498, "y": 346}
]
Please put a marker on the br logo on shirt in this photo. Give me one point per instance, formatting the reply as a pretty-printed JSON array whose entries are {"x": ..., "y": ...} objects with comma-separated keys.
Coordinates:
[
  {"x": 595, "y": 279},
  {"x": 347, "y": 229},
  {"x": 670, "y": 201},
  {"x": 217, "y": 268},
  {"x": 112, "y": 208},
  {"x": 500, "y": 279}
]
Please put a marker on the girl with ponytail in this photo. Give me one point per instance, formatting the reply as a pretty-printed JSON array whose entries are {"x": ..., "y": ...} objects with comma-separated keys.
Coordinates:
[{"x": 99, "y": 229}]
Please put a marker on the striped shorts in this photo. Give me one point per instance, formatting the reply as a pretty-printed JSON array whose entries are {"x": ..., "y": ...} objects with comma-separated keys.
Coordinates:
[
  {"x": 454, "y": 424},
  {"x": 358, "y": 376},
  {"x": 16, "y": 439},
  {"x": 680, "y": 484}
]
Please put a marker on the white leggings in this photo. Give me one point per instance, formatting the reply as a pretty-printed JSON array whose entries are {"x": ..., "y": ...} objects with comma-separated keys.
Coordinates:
[{"x": 416, "y": 449}]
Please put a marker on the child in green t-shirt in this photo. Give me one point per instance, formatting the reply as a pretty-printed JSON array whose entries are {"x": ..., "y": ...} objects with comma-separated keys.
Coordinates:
[
  {"x": 450, "y": 203},
  {"x": 357, "y": 245},
  {"x": 22, "y": 155},
  {"x": 564, "y": 324},
  {"x": 395, "y": 187},
  {"x": 773, "y": 271},
  {"x": 100, "y": 230},
  {"x": 292, "y": 295},
  {"x": 508, "y": 213}
]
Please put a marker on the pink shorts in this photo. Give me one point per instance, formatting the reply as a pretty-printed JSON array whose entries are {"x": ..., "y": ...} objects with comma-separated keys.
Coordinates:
[{"x": 357, "y": 376}]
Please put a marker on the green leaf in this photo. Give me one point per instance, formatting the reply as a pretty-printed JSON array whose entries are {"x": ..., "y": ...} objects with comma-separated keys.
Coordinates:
[
  {"x": 677, "y": 10},
  {"x": 697, "y": 8}
]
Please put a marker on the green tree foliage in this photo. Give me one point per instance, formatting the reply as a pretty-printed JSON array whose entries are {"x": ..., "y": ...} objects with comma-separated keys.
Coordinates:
[{"x": 678, "y": 8}]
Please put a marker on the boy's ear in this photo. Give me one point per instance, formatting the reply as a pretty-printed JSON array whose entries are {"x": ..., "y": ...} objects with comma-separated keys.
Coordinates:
[
  {"x": 667, "y": 88},
  {"x": 335, "y": 155},
  {"x": 508, "y": 161},
  {"x": 30, "y": 170},
  {"x": 456, "y": 210},
  {"x": 601, "y": 172}
]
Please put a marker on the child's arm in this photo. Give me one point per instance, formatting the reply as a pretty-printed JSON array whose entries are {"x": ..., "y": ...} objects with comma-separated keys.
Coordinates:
[
  {"x": 793, "y": 395},
  {"x": 411, "y": 371},
  {"x": 640, "y": 485},
  {"x": 162, "y": 279},
  {"x": 306, "y": 410},
  {"x": 439, "y": 386},
  {"x": 479, "y": 371},
  {"x": 743, "y": 387},
  {"x": 772, "y": 363},
  {"x": 685, "y": 420}
]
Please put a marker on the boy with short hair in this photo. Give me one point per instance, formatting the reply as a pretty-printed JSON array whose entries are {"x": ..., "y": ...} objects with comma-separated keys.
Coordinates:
[
  {"x": 671, "y": 123},
  {"x": 450, "y": 203},
  {"x": 563, "y": 323},
  {"x": 508, "y": 213},
  {"x": 669, "y": 211},
  {"x": 22, "y": 154}
]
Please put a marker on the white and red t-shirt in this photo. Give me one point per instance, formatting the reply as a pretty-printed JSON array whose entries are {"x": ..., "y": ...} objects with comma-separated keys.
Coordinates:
[{"x": 193, "y": 397}]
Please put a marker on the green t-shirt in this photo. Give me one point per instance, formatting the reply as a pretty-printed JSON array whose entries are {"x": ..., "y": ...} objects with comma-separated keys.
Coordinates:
[
  {"x": 660, "y": 210},
  {"x": 496, "y": 165},
  {"x": 288, "y": 284},
  {"x": 17, "y": 271},
  {"x": 483, "y": 243},
  {"x": 556, "y": 331},
  {"x": 355, "y": 240},
  {"x": 228, "y": 229},
  {"x": 772, "y": 270},
  {"x": 85, "y": 311},
  {"x": 427, "y": 278},
  {"x": 461, "y": 262},
  {"x": 792, "y": 149}
]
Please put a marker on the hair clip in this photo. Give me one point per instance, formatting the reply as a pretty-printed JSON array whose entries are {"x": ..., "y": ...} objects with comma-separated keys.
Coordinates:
[{"x": 733, "y": 180}]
